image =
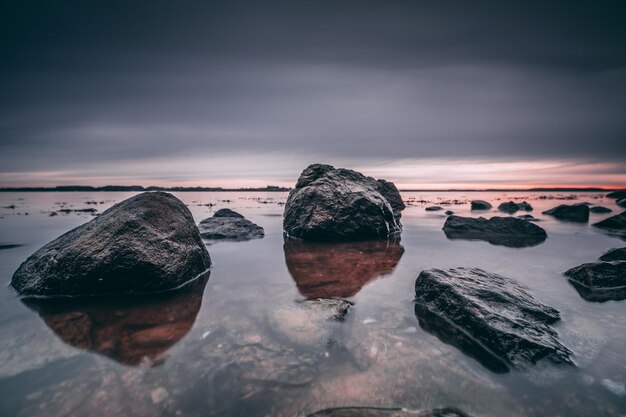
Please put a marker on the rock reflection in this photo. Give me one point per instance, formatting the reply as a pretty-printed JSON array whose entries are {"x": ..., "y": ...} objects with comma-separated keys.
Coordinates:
[
  {"x": 326, "y": 270},
  {"x": 127, "y": 329}
]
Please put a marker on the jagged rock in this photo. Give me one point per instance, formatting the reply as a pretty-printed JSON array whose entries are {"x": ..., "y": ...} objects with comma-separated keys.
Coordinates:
[
  {"x": 227, "y": 224},
  {"x": 599, "y": 210},
  {"x": 512, "y": 207},
  {"x": 331, "y": 204},
  {"x": 618, "y": 194},
  {"x": 434, "y": 208},
  {"x": 387, "y": 412},
  {"x": 617, "y": 254},
  {"x": 504, "y": 231},
  {"x": 480, "y": 205},
  {"x": 617, "y": 222},
  {"x": 601, "y": 281},
  {"x": 146, "y": 243},
  {"x": 573, "y": 213},
  {"x": 490, "y": 317}
]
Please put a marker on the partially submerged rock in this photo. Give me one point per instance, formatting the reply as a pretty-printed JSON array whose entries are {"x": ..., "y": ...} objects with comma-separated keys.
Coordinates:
[
  {"x": 618, "y": 194},
  {"x": 621, "y": 202},
  {"x": 617, "y": 254},
  {"x": 331, "y": 204},
  {"x": 387, "y": 412},
  {"x": 227, "y": 224},
  {"x": 573, "y": 213},
  {"x": 504, "y": 231},
  {"x": 601, "y": 281},
  {"x": 599, "y": 210},
  {"x": 489, "y": 317},
  {"x": 480, "y": 205},
  {"x": 327, "y": 270},
  {"x": 511, "y": 207},
  {"x": 433, "y": 208},
  {"x": 617, "y": 222},
  {"x": 146, "y": 243}
]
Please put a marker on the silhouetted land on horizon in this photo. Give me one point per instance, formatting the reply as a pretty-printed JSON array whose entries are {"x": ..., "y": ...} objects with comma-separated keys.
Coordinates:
[{"x": 276, "y": 188}]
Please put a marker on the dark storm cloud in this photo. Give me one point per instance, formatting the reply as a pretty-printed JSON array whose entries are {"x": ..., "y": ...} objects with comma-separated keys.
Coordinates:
[{"x": 104, "y": 82}]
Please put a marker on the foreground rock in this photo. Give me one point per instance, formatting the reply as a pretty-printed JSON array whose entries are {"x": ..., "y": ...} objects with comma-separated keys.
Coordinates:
[
  {"x": 600, "y": 210},
  {"x": 144, "y": 244},
  {"x": 480, "y": 205},
  {"x": 387, "y": 412},
  {"x": 573, "y": 213},
  {"x": 331, "y": 204},
  {"x": 128, "y": 329},
  {"x": 617, "y": 254},
  {"x": 491, "y": 318},
  {"x": 227, "y": 224},
  {"x": 331, "y": 270},
  {"x": 504, "y": 231},
  {"x": 513, "y": 207},
  {"x": 617, "y": 222},
  {"x": 601, "y": 281}
]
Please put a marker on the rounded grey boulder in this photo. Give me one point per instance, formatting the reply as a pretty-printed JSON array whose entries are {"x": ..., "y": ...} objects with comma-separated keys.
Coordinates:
[
  {"x": 480, "y": 205},
  {"x": 227, "y": 224},
  {"x": 331, "y": 204},
  {"x": 147, "y": 243}
]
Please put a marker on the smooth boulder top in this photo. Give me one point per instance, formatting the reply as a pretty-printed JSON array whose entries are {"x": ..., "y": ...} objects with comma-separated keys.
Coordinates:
[
  {"x": 617, "y": 254},
  {"x": 599, "y": 281},
  {"x": 227, "y": 224},
  {"x": 330, "y": 204},
  {"x": 492, "y": 318},
  {"x": 512, "y": 207},
  {"x": 617, "y": 222},
  {"x": 504, "y": 231},
  {"x": 147, "y": 243},
  {"x": 573, "y": 213},
  {"x": 480, "y": 205}
]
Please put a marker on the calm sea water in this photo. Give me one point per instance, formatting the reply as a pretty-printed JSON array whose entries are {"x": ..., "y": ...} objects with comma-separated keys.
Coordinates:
[{"x": 238, "y": 342}]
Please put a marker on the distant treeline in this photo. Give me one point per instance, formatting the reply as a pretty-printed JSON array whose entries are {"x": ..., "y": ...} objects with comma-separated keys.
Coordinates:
[{"x": 139, "y": 188}]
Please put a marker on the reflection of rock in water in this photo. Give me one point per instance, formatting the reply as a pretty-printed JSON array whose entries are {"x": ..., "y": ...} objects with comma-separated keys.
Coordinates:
[
  {"x": 325, "y": 270},
  {"x": 126, "y": 329}
]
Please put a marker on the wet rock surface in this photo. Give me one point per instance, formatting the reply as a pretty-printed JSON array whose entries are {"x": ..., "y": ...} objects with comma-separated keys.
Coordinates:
[
  {"x": 600, "y": 281},
  {"x": 480, "y": 205},
  {"x": 227, "y": 224},
  {"x": 327, "y": 270},
  {"x": 573, "y": 213},
  {"x": 387, "y": 412},
  {"x": 504, "y": 231},
  {"x": 129, "y": 330},
  {"x": 617, "y": 222},
  {"x": 331, "y": 204},
  {"x": 146, "y": 243},
  {"x": 490, "y": 317},
  {"x": 511, "y": 207},
  {"x": 599, "y": 210},
  {"x": 617, "y": 254}
]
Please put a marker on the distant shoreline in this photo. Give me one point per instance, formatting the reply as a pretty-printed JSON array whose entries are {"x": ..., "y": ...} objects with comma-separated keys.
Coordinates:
[{"x": 269, "y": 188}]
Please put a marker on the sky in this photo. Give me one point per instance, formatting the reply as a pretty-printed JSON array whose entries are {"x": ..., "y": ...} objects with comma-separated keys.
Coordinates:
[{"x": 428, "y": 94}]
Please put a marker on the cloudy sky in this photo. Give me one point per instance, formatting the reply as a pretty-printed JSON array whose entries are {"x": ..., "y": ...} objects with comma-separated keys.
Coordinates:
[{"x": 430, "y": 94}]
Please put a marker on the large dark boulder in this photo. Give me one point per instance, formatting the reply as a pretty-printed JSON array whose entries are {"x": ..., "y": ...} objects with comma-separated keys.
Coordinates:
[
  {"x": 227, "y": 224},
  {"x": 490, "y": 317},
  {"x": 573, "y": 213},
  {"x": 331, "y": 204},
  {"x": 504, "y": 231},
  {"x": 511, "y": 207},
  {"x": 600, "y": 281},
  {"x": 387, "y": 412},
  {"x": 146, "y": 243},
  {"x": 480, "y": 205},
  {"x": 617, "y": 222},
  {"x": 618, "y": 194},
  {"x": 617, "y": 254}
]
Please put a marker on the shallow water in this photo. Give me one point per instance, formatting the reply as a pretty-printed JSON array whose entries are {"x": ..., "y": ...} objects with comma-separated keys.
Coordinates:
[{"x": 238, "y": 342}]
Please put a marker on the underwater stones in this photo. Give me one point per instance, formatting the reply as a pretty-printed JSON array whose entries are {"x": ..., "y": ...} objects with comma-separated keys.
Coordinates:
[
  {"x": 146, "y": 243},
  {"x": 227, "y": 224},
  {"x": 599, "y": 281},
  {"x": 504, "y": 231},
  {"x": 480, "y": 205},
  {"x": 573, "y": 213},
  {"x": 331, "y": 204},
  {"x": 490, "y": 317}
]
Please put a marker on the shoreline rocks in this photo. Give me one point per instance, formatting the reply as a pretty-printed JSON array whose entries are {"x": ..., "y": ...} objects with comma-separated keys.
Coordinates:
[
  {"x": 511, "y": 207},
  {"x": 600, "y": 281},
  {"x": 617, "y": 194},
  {"x": 617, "y": 254},
  {"x": 574, "y": 213},
  {"x": 227, "y": 224},
  {"x": 147, "y": 243},
  {"x": 497, "y": 316},
  {"x": 617, "y": 222},
  {"x": 504, "y": 231},
  {"x": 480, "y": 205},
  {"x": 335, "y": 204}
]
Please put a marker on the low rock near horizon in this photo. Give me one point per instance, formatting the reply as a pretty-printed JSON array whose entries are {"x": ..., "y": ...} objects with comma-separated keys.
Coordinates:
[
  {"x": 573, "y": 213},
  {"x": 504, "y": 231},
  {"x": 599, "y": 210},
  {"x": 480, "y": 205},
  {"x": 227, "y": 224},
  {"x": 147, "y": 243},
  {"x": 492, "y": 318},
  {"x": 335, "y": 204},
  {"x": 511, "y": 207}
]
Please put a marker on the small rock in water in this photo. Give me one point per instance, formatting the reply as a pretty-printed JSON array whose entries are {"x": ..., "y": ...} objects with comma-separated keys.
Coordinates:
[
  {"x": 449, "y": 213},
  {"x": 433, "y": 208},
  {"x": 621, "y": 203},
  {"x": 511, "y": 207},
  {"x": 617, "y": 222},
  {"x": 480, "y": 205},
  {"x": 227, "y": 224},
  {"x": 600, "y": 210},
  {"x": 601, "y": 281},
  {"x": 617, "y": 254},
  {"x": 504, "y": 231},
  {"x": 618, "y": 195},
  {"x": 573, "y": 213}
]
